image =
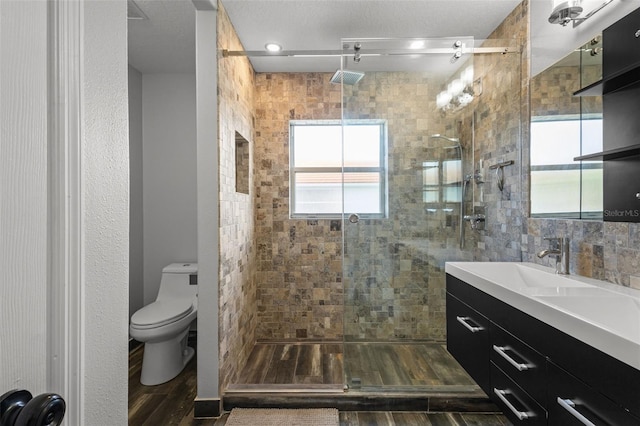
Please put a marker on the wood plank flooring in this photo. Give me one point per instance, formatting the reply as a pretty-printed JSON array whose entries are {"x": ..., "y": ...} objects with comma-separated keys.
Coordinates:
[
  {"x": 293, "y": 364},
  {"x": 400, "y": 365},
  {"x": 171, "y": 404},
  {"x": 390, "y": 366}
]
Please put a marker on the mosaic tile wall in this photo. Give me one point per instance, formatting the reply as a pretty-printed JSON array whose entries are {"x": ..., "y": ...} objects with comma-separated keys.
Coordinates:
[
  {"x": 299, "y": 289},
  {"x": 499, "y": 111},
  {"x": 300, "y": 262},
  {"x": 395, "y": 284},
  {"x": 237, "y": 287},
  {"x": 552, "y": 92},
  {"x": 607, "y": 251}
]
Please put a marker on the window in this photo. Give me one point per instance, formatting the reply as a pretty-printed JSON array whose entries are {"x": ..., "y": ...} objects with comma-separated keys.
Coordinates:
[
  {"x": 561, "y": 187},
  {"x": 442, "y": 181},
  {"x": 318, "y": 173}
]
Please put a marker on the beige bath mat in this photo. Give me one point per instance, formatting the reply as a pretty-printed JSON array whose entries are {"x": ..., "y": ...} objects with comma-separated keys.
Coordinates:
[{"x": 282, "y": 417}]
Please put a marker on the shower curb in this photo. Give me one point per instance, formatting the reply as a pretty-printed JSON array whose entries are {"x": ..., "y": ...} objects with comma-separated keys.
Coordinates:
[{"x": 363, "y": 402}]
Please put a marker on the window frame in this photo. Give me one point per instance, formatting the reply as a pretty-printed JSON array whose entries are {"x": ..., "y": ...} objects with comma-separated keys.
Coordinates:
[
  {"x": 381, "y": 170},
  {"x": 581, "y": 166}
]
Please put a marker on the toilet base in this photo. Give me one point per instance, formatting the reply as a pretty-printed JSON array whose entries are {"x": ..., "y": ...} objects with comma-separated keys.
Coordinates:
[{"x": 163, "y": 361}]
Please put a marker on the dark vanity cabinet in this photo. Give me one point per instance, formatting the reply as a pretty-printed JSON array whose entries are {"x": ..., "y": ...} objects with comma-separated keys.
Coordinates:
[
  {"x": 535, "y": 373},
  {"x": 468, "y": 338}
]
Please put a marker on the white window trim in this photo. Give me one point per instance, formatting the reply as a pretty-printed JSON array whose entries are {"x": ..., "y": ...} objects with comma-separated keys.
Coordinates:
[{"x": 384, "y": 194}]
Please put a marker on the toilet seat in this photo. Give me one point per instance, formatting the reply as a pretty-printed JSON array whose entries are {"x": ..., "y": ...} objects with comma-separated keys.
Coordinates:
[{"x": 161, "y": 312}]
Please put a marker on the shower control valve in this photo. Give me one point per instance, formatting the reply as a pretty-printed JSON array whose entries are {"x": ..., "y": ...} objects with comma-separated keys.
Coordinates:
[{"x": 476, "y": 221}]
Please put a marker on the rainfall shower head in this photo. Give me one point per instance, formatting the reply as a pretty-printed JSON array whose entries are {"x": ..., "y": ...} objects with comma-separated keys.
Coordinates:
[{"x": 347, "y": 77}]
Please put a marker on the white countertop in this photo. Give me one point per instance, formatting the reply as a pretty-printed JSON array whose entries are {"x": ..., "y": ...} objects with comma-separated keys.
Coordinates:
[{"x": 603, "y": 315}]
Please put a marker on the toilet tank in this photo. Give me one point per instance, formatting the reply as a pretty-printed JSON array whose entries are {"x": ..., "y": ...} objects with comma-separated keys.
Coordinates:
[{"x": 179, "y": 280}]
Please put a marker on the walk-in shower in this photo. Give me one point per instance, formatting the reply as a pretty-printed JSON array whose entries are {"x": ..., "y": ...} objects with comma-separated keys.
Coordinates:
[{"x": 359, "y": 305}]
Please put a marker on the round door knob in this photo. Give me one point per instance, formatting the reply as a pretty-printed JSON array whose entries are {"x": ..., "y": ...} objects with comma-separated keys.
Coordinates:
[{"x": 354, "y": 218}]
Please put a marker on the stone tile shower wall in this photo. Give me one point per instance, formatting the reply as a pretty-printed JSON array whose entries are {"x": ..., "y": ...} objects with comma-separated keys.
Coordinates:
[
  {"x": 394, "y": 267},
  {"x": 300, "y": 261},
  {"x": 299, "y": 292},
  {"x": 499, "y": 113},
  {"x": 237, "y": 287}
]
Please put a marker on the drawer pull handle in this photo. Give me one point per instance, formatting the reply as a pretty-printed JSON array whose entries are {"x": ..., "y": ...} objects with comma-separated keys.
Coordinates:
[
  {"x": 471, "y": 328},
  {"x": 521, "y": 415},
  {"x": 569, "y": 405},
  {"x": 501, "y": 351}
]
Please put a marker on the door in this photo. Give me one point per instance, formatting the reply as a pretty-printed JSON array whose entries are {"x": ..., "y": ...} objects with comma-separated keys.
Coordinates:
[
  {"x": 64, "y": 204},
  {"x": 402, "y": 184},
  {"x": 23, "y": 196}
]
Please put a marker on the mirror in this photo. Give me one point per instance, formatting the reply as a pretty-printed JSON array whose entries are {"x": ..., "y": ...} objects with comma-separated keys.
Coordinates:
[{"x": 565, "y": 126}]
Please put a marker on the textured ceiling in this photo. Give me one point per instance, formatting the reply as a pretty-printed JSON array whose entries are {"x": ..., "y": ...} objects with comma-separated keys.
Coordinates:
[{"x": 165, "y": 42}]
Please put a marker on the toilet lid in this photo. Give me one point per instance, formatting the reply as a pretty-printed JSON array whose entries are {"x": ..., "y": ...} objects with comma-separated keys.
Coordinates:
[{"x": 162, "y": 312}]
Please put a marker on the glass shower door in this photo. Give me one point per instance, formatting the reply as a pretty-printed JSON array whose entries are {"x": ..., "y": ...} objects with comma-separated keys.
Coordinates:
[{"x": 403, "y": 196}]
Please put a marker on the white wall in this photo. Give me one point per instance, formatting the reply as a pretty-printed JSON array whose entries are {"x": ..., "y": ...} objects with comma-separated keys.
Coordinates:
[
  {"x": 550, "y": 43},
  {"x": 105, "y": 213},
  {"x": 136, "y": 239},
  {"x": 208, "y": 206},
  {"x": 169, "y": 174}
]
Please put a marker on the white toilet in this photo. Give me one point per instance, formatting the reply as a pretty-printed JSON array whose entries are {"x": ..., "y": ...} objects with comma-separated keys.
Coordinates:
[{"x": 163, "y": 326}]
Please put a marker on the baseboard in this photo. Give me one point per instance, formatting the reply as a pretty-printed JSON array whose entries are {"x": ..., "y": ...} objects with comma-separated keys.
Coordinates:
[{"x": 207, "y": 407}]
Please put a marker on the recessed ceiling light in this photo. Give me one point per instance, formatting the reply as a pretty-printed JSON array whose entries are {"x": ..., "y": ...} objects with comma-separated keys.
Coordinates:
[
  {"x": 273, "y": 47},
  {"x": 417, "y": 44}
]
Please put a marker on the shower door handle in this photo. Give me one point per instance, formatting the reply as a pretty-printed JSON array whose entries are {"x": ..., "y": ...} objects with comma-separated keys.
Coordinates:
[{"x": 354, "y": 218}]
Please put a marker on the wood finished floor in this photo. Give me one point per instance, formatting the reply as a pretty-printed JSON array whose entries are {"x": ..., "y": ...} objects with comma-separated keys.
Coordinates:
[
  {"x": 171, "y": 404},
  {"x": 374, "y": 365}
]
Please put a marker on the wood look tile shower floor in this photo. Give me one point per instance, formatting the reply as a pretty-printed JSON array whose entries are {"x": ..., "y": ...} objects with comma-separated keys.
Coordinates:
[{"x": 395, "y": 365}]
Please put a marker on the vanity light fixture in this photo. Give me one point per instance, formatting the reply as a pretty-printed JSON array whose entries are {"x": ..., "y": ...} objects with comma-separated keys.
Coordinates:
[
  {"x": 458, "y": 93},
  {"x": 273, "y": 47},
  {"x": 565, "y": 11}
]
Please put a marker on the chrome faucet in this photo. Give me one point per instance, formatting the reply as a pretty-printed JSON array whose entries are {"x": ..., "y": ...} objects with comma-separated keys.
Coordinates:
[{"x": 559, "y": 248}]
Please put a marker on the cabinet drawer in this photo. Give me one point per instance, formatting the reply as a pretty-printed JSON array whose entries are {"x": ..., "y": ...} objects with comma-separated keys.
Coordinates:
[
  {"x": 515, "y": 403},
  {"x": 468, "y": 340},
  {"x": 519, "y": 361},
  {"x": 571, "y": 402}
]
